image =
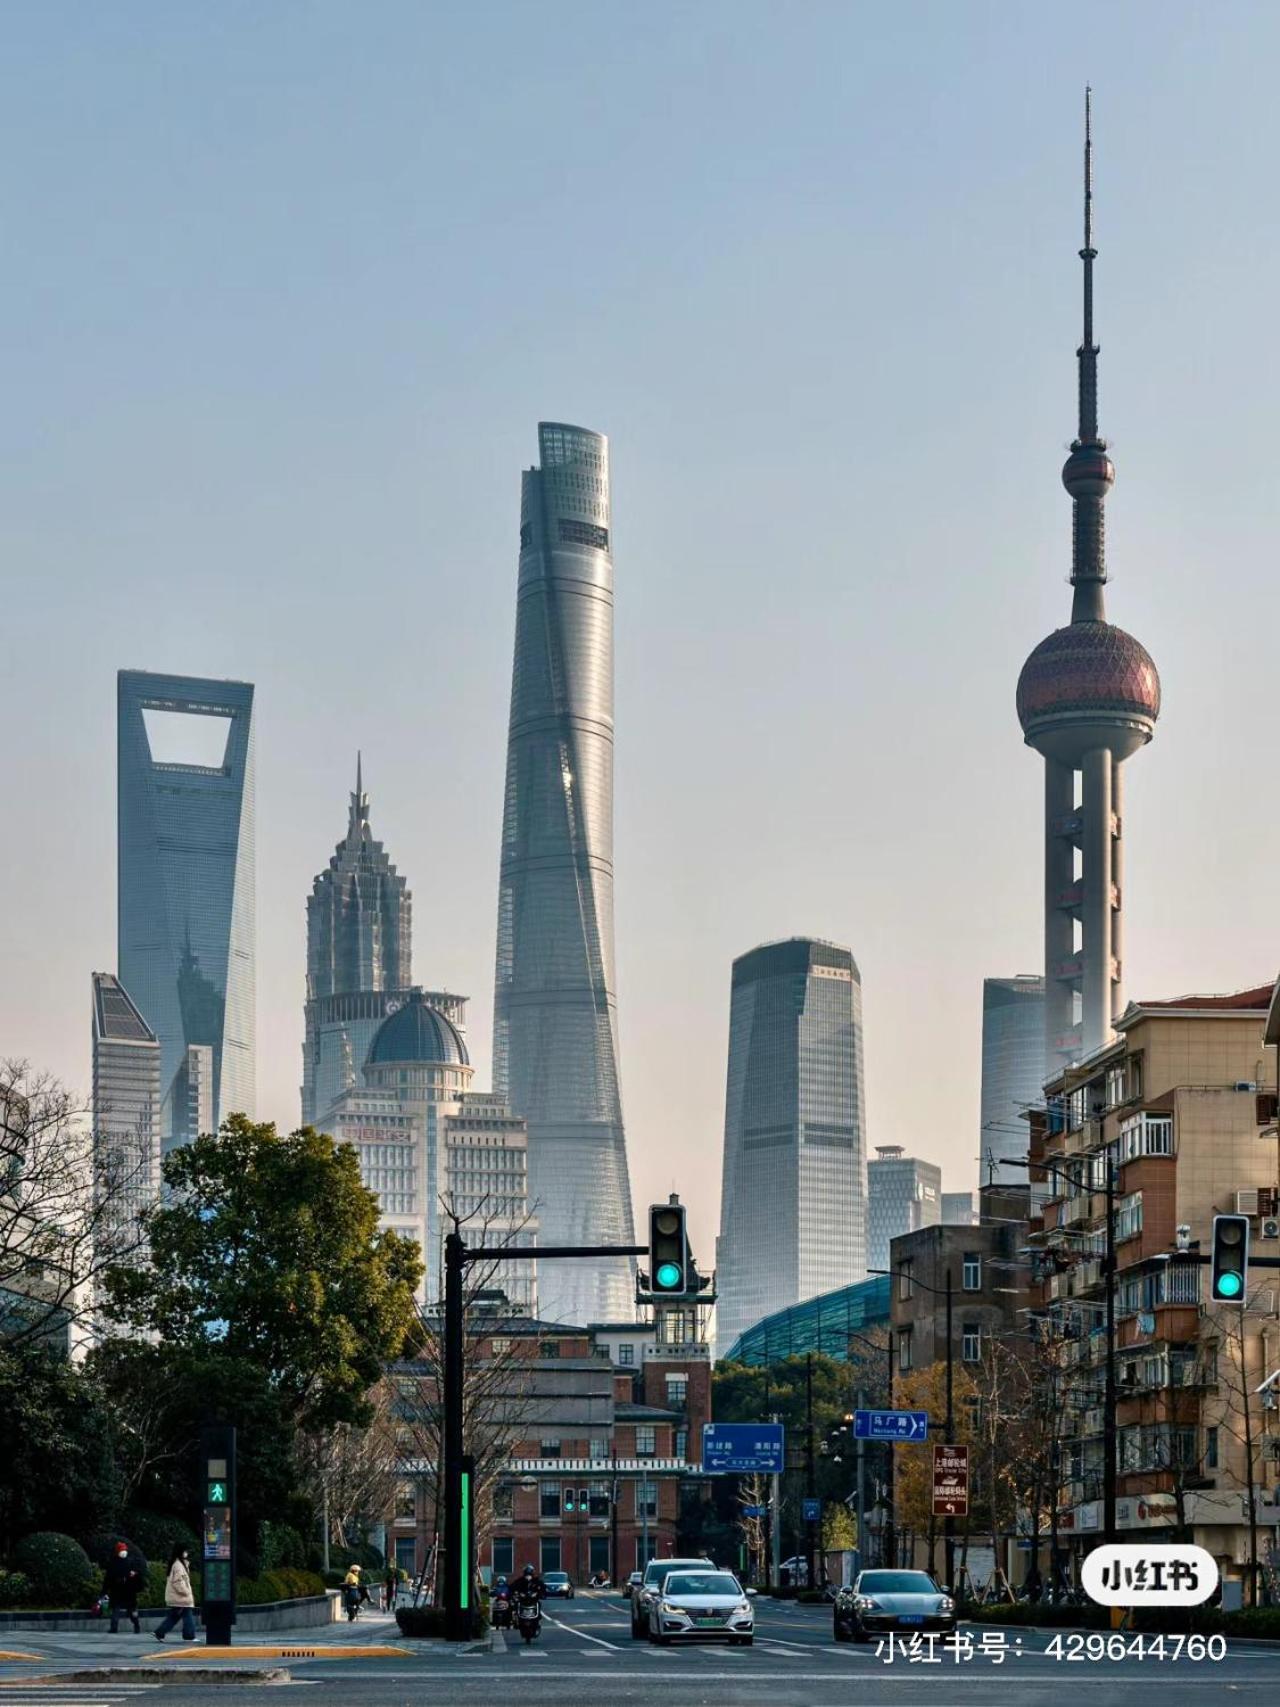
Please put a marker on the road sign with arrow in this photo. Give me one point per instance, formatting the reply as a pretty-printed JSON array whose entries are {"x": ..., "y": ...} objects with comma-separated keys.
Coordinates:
[{"x": 950, "y": 1481}]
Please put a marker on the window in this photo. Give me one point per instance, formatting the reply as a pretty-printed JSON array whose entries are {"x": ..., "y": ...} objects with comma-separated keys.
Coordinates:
[
  {"x": 599, "y": 1553},
  {"x": 502, "y": 1502},
  {"x": 598, "y": 1449},
  {"x": 677, "y": 1391},
  {"x": 504, "y": 1556},
  {"x": 1211, "y": 1448},
  {"x": 626, "y": 1354},
  {"x": 583, "y": 533},
  {"x": 971, "y": 1343},
  {"x": 645, "y": 1550},
  {"x": 646, "y": 1499},
  {"x": 500, "y": 1347},
  {"x": 406, "y": 1503},
  {"x": 549, "y": 1348},
  {"x": 406, "y": 1554},
  {"x": 682, "y": 1444},
  {"x": 904, "y": 1349},
  {"x": 550, "y": 1553},
  {"x": 549, "y": 1501},
  {"x": 1129, "y": 1216},
  {"x": 905, "y": 1289},
  {"x": 646, "y": 1441},
  {"x": 551, "y": 1448},
  {"x": 971, "y": 1276},
  {"x": 598, "y": 1499}
]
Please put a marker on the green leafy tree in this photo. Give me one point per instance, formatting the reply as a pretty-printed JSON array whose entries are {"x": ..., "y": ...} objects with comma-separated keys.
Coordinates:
[
  {"x": 56, "y": 1468},
  {"x": 267, "y": 1253}
]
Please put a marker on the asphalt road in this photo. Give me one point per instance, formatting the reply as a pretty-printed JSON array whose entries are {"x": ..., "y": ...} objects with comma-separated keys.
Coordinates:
[{"x": 586, "y": 1656}]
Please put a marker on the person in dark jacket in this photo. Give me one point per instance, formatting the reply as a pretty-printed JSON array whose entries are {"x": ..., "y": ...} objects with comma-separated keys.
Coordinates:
[{"x": 123, "y": 1583}]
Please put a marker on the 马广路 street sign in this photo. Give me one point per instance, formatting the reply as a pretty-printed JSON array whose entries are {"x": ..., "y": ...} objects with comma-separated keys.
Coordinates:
[
  {"x": 950, "y": 1480},
  {"x": 891, "y": 1425},
  {"x": 742, "y": 1447}
]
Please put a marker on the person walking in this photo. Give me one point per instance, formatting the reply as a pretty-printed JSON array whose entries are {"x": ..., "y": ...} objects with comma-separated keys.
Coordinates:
[
  {"x": 178, "y": 1598},
  {"x": 351, "y": 1596},
  {"x": 390, "y": 1587},
  {"x": 123, "y": 1583}
]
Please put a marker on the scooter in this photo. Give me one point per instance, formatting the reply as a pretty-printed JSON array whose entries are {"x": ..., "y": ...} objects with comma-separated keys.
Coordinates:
[
  {"x": 500, "y": 1612},
  {"x": 529, "y": 1619}
]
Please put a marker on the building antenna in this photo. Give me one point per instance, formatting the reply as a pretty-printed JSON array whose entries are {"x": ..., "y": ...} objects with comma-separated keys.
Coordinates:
[{"x": 1088, "y": 351}]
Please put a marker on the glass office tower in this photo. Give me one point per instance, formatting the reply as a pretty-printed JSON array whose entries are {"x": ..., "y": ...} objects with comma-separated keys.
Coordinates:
[
  {"x": 126, "y": 1102},
  {"x": 1012, "y": 1072},
  {"x": 903, "y": 1195},
  {"x": 555, "y": 1012},
  {"x": 185, "y": 879},
  {"x": 793, "y": 1195}
]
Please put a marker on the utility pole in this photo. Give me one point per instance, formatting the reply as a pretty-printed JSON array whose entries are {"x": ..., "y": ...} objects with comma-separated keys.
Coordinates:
[
  {"x": 770, "y": 1520},
  {"x": 457, "y": 1600},
  {"x": 775, "y": 1522},
  {"x": 1109, "y": 1390},
  {"x": 616, "y": 1573},
  {"x": 949, "y": 1522},
  {"x": 889, "y": 1544},
  {"x": 861, "y": 1456},
  {"x": 1248, "y": 1458},
  {"x": 810, "y": 1473}
]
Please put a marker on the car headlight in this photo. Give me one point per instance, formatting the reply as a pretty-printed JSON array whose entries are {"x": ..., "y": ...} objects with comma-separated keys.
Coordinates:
[
  {"x": 946, "y": 1604},
  {"x": 745, "y": 1606},
  {"x": 864, "y": 1603}
]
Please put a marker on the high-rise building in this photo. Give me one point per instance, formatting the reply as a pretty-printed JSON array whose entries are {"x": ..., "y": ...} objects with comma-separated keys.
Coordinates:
[
  {"x": 793, "y": 1203},
  {"x": 903, "y": 1195},
  {"x": 486, "y": 1179},
  {"x": 359, "y": 954},
  {"x": 1088, "y": 698},
  {"x": 1012, "y": 1072},
  {"x": 126, "y": 1104},
  {"x": 555, "y": 1050},
  {"x": 185, "y": 882}
]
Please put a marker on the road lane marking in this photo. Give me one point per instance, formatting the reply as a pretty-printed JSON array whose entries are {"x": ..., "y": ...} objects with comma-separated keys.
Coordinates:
[{"x": 574, "y": 1631}]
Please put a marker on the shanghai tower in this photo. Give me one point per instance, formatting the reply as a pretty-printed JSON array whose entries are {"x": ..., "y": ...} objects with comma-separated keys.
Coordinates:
[
  {"x": 1088, "y": 698},
  {"x": 555, "y": 1021}
]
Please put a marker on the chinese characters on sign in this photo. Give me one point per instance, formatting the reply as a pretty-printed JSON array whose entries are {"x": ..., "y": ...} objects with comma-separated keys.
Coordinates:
[
  {"x": 1151, "y": 1574},
  {"x": 950, "y": 1481}
]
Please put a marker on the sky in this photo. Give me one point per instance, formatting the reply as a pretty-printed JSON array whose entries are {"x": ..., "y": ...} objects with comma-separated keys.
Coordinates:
[{"x": 288, "y": 289}]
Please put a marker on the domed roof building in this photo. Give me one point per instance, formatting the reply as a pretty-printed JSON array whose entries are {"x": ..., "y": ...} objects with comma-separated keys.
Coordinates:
[
  {"x": 418, "y": 1052},
  {"x": 1088, "y": 698}
]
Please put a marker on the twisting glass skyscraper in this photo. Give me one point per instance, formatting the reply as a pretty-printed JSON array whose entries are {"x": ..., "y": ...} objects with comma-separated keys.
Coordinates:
[
  {"x": 359, "y": 947},
  {"x": 185, "y": 879},
  {"x": 793, "y": 1195},
  {"x": 555, "y": 1014}
]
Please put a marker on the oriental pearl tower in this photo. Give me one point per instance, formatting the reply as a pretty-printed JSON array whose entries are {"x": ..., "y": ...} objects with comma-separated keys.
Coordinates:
[{"x": 1088, "y": 697}]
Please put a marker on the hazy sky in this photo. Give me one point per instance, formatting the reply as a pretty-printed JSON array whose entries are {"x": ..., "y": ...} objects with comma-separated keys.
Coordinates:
[{"x": 287, "y": 288}]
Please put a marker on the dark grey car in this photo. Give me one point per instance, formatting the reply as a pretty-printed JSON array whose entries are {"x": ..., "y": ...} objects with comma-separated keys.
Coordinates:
[{"x": 892, "y": 1602}]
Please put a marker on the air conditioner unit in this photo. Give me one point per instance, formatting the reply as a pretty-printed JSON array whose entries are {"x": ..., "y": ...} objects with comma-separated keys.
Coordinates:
[
  {"x": 1247, "y": 1202},
  {"x": 1270, "y": 1228}
]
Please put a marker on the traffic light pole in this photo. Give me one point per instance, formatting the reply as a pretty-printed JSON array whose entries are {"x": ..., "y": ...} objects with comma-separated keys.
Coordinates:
[
  {"x": 949, "y": 1522},
  {"x": 810, "y": 1477},
  {"x": 455, "y": 1489}
]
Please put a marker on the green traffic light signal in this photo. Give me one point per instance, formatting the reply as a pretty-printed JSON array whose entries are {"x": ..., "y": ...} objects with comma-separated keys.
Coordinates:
[
  {"x": 668, "y": 1249},
  {"x": 668, "y": 1276},
  {"x": 1230, "y": 1261},
  {"x": 1229, "y": 1286}
]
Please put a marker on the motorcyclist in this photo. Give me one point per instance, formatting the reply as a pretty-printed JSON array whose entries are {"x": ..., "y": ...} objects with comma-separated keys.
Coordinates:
[{"x": 529, "y": 1586}]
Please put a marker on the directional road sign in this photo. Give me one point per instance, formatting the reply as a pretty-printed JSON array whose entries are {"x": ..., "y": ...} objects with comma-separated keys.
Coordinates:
[
  {"x": 745, "y": 1448},
  {"x": 950, "y": 1481},
  {"x": 891, "y": 1425},
  {"x": 811, "y": 1511},
  {"x": 754, "y": 1510}
]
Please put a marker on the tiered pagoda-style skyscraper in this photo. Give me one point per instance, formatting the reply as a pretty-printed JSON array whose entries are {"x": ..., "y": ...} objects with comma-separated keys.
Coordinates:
[{"x": 1088, "y": 698}]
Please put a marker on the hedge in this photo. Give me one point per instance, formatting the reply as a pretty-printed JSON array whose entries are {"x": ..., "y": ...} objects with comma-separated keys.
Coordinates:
[
  {"x": 1260, "y": 1621},
  {"x": 15, "y": 1588},
  {"x": 57, "y": 1568}
]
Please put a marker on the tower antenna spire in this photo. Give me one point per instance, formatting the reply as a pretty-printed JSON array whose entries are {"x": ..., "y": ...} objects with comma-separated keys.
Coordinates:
[{"x": 1088, "y": 353}]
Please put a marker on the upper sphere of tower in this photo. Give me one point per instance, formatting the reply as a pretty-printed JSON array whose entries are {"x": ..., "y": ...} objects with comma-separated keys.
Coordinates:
[
  {"x": 1088, "y": 472},
  {"x": 1088, "y": 685}
]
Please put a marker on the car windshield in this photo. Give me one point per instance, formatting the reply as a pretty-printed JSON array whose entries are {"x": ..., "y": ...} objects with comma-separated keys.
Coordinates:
[
  {"x": 896, "y": 1582},
  {"x": 556, "y": 1577},
  {"x": 658, "y": 1568},
  {"x": 701, "y": 1582}
]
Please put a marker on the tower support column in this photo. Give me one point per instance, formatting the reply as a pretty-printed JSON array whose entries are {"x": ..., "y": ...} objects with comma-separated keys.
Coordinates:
[
  {"x": 1117, "y": 899},
  {"x": 1059, "y": 942},
  {"x": 1096, "y": 908}
]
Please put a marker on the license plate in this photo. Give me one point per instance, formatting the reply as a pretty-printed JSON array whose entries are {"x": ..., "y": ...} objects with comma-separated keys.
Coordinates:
[
  {"x": 708, "y": 1621},
  {"x": 911, "y": 1618}
]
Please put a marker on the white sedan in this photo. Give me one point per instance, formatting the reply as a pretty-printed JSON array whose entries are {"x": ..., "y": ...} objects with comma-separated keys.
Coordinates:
[{"x": 700, "y": 1606}]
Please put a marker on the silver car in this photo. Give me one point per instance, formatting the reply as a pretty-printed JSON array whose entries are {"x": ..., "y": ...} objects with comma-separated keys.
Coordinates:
[
  {"x": 701, "y": 1605},
  {"x": 880, "y": 1602}
]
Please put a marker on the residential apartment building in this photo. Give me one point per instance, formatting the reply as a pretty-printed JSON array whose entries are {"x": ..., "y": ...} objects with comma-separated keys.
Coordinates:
[
  {"x": 1177, "y": 1107},
  {"x": 990, "y": 1283}
]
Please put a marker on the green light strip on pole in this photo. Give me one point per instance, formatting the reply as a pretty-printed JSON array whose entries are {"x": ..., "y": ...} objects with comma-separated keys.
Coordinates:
[{"x": 464, "y": 1545}]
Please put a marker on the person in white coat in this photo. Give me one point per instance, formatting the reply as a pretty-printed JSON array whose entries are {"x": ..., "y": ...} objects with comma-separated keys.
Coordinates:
[{"x": 179, "y": 1599}]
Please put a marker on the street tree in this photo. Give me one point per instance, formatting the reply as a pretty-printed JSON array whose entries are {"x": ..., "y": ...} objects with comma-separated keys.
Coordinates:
[{"x": 267, "y": 1249}]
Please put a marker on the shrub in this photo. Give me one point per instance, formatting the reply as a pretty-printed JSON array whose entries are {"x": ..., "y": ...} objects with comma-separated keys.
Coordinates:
[
  {"x": 15, "y": 1588},
  {"x": 286, "y": 1584},
  {"x": 57, "y": 1568},
  {"x": 282, "y": 1546},
  {"x": 427, "y": 1621}
]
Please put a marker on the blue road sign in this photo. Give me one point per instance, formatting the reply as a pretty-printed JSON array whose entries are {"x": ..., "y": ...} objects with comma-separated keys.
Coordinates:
[
  {"x": 754, "y": 1510},
  {"x": 742, "y": 1447},
  {"x": 891, "y": 1425},
  {"x": 811, "y": 1511}
]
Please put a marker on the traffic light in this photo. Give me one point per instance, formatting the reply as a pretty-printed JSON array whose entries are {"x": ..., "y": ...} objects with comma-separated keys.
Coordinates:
[
  {"x": 1230, "y": 1258},
  {"x": 668, "y": 1250}
]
